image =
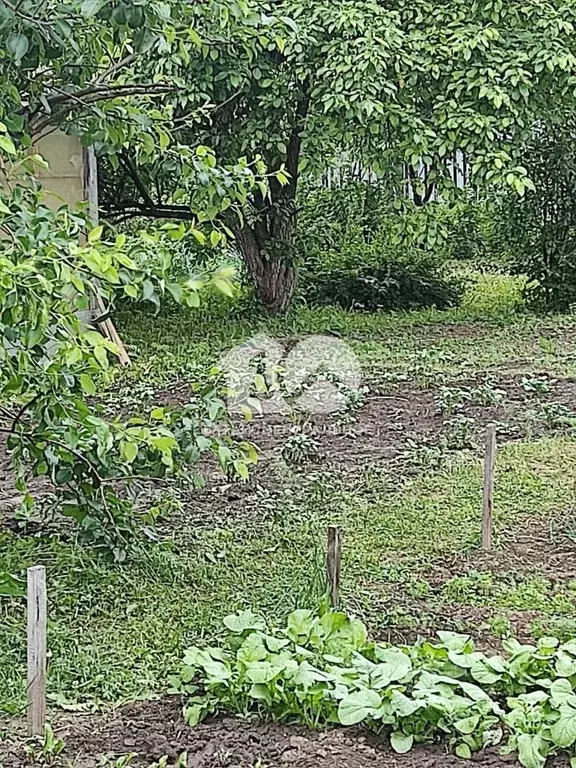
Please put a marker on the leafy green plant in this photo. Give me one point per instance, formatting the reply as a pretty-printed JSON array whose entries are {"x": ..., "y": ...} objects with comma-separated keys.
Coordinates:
[
  {"x": 45, "y": 750},
  {"x": 539, "y": 229},
  {"x": 450, "y": 399},
  {"x": 459, "y": 433},
  {"x": 540, "y": 385},
  {"x": 300, "y": 447},
  {"x": 420, "y": 452},
  {"x": 487, "y": 394},
  {"x": 360, "y": 252},
  {"x": 322, "y": 669},
  {"x": 557, "y": 416},
  {"x": 52, "y": 362}
]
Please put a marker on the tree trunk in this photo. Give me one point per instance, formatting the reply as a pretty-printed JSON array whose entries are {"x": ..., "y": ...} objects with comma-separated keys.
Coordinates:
[
  {"x": 273, "y": 272},
  {"x": 267, "y": 240}
]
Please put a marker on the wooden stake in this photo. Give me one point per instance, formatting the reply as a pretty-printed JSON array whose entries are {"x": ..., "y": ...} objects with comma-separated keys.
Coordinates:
[
  {"x": 488, "y": 505},
  {"x": 36, "y": 650},
  {"x": 333, "y": 560},
  {"x": 107, "y": 327}
]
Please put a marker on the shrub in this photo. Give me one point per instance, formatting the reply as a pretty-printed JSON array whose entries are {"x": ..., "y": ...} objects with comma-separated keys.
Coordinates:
[
  {"x": 393, "y": 286},
  {"x": 362, "y": 249},
  {"x": 541, "y": 226}
]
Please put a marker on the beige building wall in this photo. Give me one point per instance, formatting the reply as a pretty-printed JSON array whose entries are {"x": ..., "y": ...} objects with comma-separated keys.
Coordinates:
[{"x": 64, "y": 180}]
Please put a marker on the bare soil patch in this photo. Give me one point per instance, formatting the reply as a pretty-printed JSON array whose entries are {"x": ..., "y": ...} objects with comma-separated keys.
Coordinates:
[{"x": 153, "y": 729}]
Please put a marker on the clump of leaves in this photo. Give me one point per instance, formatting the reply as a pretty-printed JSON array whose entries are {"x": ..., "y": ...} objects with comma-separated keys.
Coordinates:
[
  {"x": 420, "y": 452},
  {"x": 300, "y": 447},
  {"x": 52, "y": 361},
  {"x": 558, "y": 416},
  {"x": 45, "y": 750},
  {"x": 459, "y": 433},
  {"x": 539, "y": 385},
  {"x": 450, "y": 399},
  {"x": 487, "y": 394},
  {"x": 321, "y": 669}
]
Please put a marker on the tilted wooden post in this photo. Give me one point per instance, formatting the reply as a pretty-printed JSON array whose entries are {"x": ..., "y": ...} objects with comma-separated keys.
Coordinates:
[
  {"x": 333, "y": 560},
  {"x": 37, "y": 617},
  {"x": 488, "y": 505}
]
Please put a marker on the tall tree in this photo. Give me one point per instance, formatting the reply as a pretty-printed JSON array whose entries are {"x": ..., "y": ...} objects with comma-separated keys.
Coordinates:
[{"x": 395, "y": 82}]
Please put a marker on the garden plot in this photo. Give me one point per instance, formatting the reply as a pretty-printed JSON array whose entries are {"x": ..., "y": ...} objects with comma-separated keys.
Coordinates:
[{"x": 400, "y": 474}]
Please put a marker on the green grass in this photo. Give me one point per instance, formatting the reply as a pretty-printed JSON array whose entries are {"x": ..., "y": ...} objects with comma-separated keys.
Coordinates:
[
  {"x": 484, "y": 333},
  {"x": 117, "y": 632}
]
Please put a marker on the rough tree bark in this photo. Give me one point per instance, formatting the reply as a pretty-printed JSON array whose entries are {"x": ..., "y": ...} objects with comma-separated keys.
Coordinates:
[
  {"x": 273, "y": 273},
  {"x": 266, "y": 239}
]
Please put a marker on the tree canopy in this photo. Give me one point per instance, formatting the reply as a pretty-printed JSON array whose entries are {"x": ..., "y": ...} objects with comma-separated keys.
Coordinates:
[{"x": 395, "y": 84}]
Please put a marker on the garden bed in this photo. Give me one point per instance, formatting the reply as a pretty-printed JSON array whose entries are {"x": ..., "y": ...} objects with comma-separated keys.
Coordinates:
[{"x": 154, "y": 729}]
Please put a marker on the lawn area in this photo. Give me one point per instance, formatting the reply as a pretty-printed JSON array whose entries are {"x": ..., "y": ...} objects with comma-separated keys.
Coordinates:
[{"x": 402, "y": 477}]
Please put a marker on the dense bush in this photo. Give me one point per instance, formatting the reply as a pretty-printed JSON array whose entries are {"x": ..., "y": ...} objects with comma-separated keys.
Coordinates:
[
  {"x": 395, "y": 285},
  {"x": 540, "y": 227},
  {"x": 362, "y": 248},
  {"x": 475, "y": 234}
]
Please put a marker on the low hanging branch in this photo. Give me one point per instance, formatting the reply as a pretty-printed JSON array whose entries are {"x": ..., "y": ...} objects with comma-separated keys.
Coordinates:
[{"x": 56, "y": 106}]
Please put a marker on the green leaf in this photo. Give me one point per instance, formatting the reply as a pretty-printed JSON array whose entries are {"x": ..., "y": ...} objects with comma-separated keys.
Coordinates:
[
  {"x": 87, "y": 384},
  {"x": 403, "y": 705},
  {"x": 395, "y": 667},
  {"x": 194, "y": 714},
  {"x": 241, "y": 469},
  {"x": 260, "y": 692},
  {"x": 101, "y": 355},
  {"x": 561, "y": 690},
  {"x": 300, "y": 624},
  {"x": 95, "y": 234},
  {"x": 463, "y": 751},
  {"x": 129, "y": 451},
  {"x": 401, "y": 743},
  {"x": 454, "y": 641},
  {"x": 275, "y": 644},
  {"x": 563, "y": 731},
  {"x": 11, "y": 586},
  {"x": 468, "y": 724},
  {"x": 216, "y": 671},
  {"x": 131, "y": 290},
  {"x": 358, "y": 706},
  {"x": 17, "y": 45},
  {"x": 239, "y": 623},
  {"x": 565, "y": 665},
  {"x": 7, "y": 145},
  {"x": 90, "y": 8},
  {"x": 473, "y": 691},
  {"x": 306, "y": 675},
  {"x": 262, "y": 672},
  {"x": 483, "y": 674},
  {"x": 531, "y": 750},
  {"x": 252, "y": 649}
]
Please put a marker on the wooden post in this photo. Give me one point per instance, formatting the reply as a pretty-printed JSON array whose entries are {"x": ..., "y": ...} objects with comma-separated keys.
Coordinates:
[
  {"x": 36, "y": 650},
  {"x": 107, "y": 327},
  {"x": 91, "y": 184},
  {"x": 333, "y": 559},
  {"x": 488, "y": 505}
]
